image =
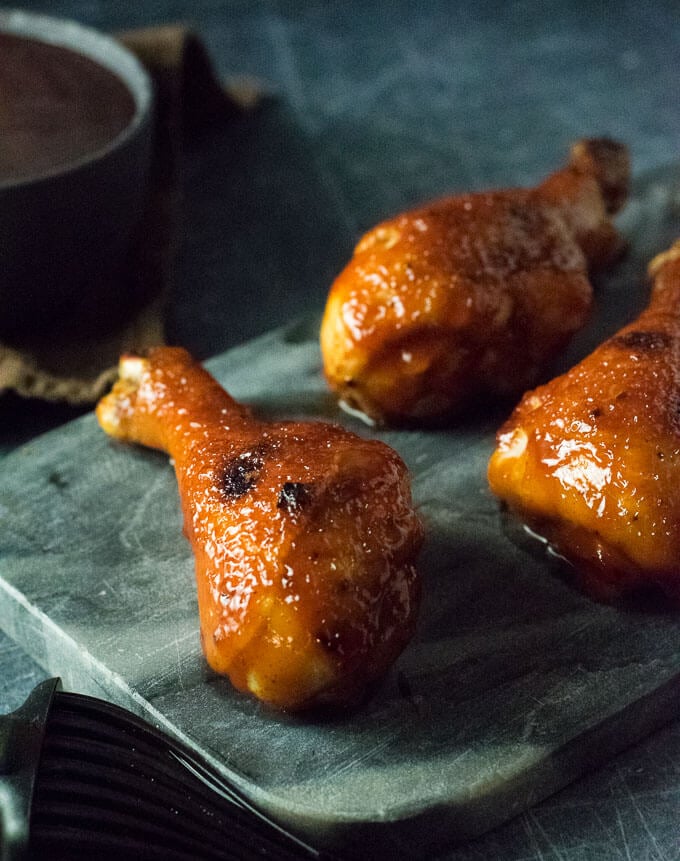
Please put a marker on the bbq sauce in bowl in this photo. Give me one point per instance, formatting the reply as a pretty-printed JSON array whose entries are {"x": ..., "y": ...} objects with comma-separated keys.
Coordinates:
[
  {"x": 76, "y": 136},
  {"x": 56, "y": 107}
]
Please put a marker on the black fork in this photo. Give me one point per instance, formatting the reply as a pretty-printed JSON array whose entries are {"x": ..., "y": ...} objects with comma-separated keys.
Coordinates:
[{"x": 81, "y": 778}]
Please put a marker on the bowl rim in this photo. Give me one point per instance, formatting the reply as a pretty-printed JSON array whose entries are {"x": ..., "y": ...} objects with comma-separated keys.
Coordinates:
[{"x": 102, "y": 49}]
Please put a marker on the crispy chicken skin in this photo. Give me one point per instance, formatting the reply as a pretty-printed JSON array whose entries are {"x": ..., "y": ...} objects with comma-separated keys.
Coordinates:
[
  {"x": 470, "y": 297},
  {"x": 304, "y": 534},
  {"x": 591, "y": 461}
]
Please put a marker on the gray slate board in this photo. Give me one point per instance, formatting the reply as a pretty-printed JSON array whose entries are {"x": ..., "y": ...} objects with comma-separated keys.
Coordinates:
[{"x": 513, "y": 686}]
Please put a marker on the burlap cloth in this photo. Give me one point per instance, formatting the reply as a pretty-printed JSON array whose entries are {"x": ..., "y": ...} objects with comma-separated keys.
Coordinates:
[{"x": 74, "y": 362}]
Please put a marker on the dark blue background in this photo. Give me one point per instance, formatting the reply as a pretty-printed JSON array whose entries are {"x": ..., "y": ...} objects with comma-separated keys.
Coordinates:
[{"x": 374, "y": 106}]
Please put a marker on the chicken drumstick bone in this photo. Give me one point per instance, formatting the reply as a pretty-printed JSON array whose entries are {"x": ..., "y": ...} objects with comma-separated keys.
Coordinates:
[
  {"x": 470, "y": 297},
  {"x": 591, "y": 461},
  {"x": 304, "y": 534}
]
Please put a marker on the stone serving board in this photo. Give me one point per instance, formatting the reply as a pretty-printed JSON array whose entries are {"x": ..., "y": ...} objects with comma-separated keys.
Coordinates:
[{"x": 514, "y": 685}]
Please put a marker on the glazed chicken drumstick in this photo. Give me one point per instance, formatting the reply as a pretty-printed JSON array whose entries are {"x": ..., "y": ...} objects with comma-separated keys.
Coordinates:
[
  {"x": 591, "y": 461},
  {"x": 304, "y": 534},
  {"x": 470, "y": 297}
]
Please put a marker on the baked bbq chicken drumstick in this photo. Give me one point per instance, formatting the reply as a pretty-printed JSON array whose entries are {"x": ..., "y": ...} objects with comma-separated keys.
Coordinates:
[
  {"x": 470, "y": 297},
  {"x": 304, "y": 534},
  {"x": 591, "y": 461}
]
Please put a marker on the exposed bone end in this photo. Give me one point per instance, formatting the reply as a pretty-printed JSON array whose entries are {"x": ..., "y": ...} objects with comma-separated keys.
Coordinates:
[
  {"x": 131, "y": 368},
  {"x": 608, "y": 162},
  {"x": 665, "y": 257},
  {"x": 114, "y": 409}
]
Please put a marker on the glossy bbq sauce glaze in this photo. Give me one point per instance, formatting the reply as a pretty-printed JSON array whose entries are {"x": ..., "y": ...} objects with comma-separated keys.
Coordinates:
[
  {"x": 590, "y": 461},
  {"x": 56, "y": 107},
  {"x": 305, "y": 535}
]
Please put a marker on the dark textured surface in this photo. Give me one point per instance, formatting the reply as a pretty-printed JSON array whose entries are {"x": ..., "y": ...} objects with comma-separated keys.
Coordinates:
[
  {"x": 378, "y": 106},
  {"x": 514, "y": 684}
]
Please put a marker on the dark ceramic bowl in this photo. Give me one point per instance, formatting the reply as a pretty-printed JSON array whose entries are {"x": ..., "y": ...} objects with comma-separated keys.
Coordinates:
[{"x": 64, "y": 228}]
